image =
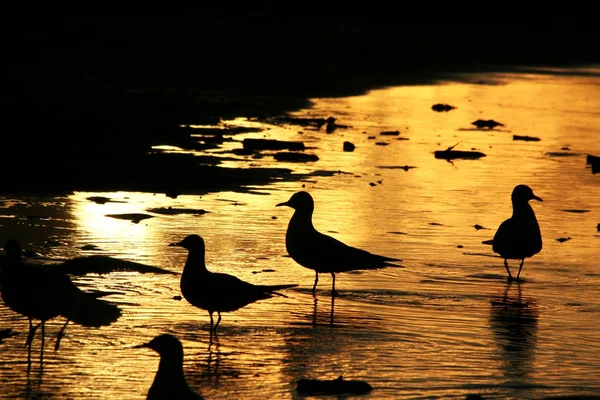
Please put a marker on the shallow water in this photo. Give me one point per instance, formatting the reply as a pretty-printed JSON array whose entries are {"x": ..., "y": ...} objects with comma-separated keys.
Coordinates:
[{"x": 447, "y": 325}]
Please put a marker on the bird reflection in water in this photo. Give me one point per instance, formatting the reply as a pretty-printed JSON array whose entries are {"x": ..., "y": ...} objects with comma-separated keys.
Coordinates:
[
  {"x": 514, "y": 322},
  {"x": 315, "y": 322},
  {"x": 212, "y": 362}
]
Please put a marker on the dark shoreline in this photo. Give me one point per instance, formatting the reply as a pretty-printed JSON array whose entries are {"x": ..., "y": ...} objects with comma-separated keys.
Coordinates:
[{"x": 91, "y": 93}]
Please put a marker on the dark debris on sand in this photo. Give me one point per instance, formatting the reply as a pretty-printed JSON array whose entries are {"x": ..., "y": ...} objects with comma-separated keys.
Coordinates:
[
  {"x": 439, "y": 107},
  {"x": 488, "y": 124},
  {"x": 450, "y": 154},
  {"x": 526, "y": 138},
  {"x": 333, "y": 386}
]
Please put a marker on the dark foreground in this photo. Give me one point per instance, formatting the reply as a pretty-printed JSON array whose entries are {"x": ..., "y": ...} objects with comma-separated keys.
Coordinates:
[{"x": 90, "y": 93}]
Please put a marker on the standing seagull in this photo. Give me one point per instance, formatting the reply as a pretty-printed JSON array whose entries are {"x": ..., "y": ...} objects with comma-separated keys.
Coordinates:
[
  {"x": 217, "y": 292},
  {"x": 320, "y": 252},
  {"x": 43, "y": 292},
  {"x": 169, "y": 381},
  {"x": 519, "y": 236}
]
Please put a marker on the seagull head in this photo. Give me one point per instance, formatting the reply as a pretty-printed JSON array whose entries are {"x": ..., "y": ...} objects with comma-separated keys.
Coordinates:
[
  {"x": 191, "y": 242},
  {"x": 164, "y": 345},
  {"x": 13, "y": 249},
  {"x": 523, "y": 193},
  {"x": 301, "y": 201}
]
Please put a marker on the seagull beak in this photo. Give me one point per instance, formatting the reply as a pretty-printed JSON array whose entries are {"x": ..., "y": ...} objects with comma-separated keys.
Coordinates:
[
  {"x": 285, "y": 203},
  {"x": 141, "y": 346},
  {"x": 175, "y": 244},
  {"x": 537, "y": 198}
]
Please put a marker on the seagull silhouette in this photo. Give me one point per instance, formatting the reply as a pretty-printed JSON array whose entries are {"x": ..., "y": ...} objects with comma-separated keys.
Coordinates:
[
  {"x": 42, "y": 292},
  {"x": 169, "y": 382},
  {"x": 217, "y": 292},
  {"x": 322, "y": 253},
  {"x": 519, "y": 237}
]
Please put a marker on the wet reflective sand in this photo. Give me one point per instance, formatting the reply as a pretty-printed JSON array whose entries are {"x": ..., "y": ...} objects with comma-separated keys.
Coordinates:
[{"x": 447, "y": 325}]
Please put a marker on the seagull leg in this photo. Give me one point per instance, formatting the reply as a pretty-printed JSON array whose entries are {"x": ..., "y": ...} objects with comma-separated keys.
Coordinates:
[
  {"x": 332, "y": 306},
  {"x": 218, "y": 320},
  {"x": 510, "y": 278},
  {"x": 316, "y": 281},
  {"x": 60, "y": 335},
  {"x": 333, "y": 292},
  {"x": 43, "y": 340},
  {"x": 32, "y": 330},
  {"x": 211, "y": 321},
  {"x": 520, "y": 268}
]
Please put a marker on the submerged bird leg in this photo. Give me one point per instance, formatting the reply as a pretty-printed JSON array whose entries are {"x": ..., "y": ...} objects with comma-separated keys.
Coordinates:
[
  {"x": 218, "y": 320},
  {"x": 316, "y": 281},
  {"x": 60, "y": 335},
  {"x": 32, "y": 330},
  {"x": 332, "y": 307},
  {"x": 42, "y": 349},
  {"x": 43, "y": 333},
  {"x": 333, "y": 292},
  {"x": 520, "y": 268},
  {"x": 510, "y": 278}
]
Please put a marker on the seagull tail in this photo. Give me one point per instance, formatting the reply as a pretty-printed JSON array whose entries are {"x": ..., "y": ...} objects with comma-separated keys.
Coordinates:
[
  {"x": 87, "y": 310},
  {"x": 279, "y": 287},
  {"x": 393, "y": 265},
  {"x": 272, "y": 289}
]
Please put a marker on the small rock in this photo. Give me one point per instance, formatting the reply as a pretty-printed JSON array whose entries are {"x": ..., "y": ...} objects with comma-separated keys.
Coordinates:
[{"x": 349, "y": 146}]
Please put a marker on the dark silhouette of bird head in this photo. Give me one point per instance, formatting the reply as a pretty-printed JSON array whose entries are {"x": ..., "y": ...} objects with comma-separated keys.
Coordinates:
[
  {"x": 165, "y": 345},
  {"x": 522, "y": 194},
  {"x": 13, "y": 249},
  {"x": 191, "y": 242},
  {"x": 301, "y": 201}
]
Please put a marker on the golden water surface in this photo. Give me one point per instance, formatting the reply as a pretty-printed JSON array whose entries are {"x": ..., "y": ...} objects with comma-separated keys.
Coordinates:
[{"x": 447, "y": 325}]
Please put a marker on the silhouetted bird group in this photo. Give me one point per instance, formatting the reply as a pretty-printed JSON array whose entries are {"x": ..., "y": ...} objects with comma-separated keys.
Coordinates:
[{"x": 44, "y": 292}]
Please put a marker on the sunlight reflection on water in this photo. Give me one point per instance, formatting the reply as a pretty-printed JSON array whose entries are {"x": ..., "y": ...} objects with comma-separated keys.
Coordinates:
[{"x": 446, "y": 325}]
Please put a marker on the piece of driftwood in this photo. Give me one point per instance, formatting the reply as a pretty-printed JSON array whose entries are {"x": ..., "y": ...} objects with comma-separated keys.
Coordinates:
[
  {"x": 450, "y": 154},
  {"x": 526, "y": 138}
]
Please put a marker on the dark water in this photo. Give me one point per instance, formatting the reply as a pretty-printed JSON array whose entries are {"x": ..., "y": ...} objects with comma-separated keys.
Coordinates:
[{"x": 445, "y": 326}]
